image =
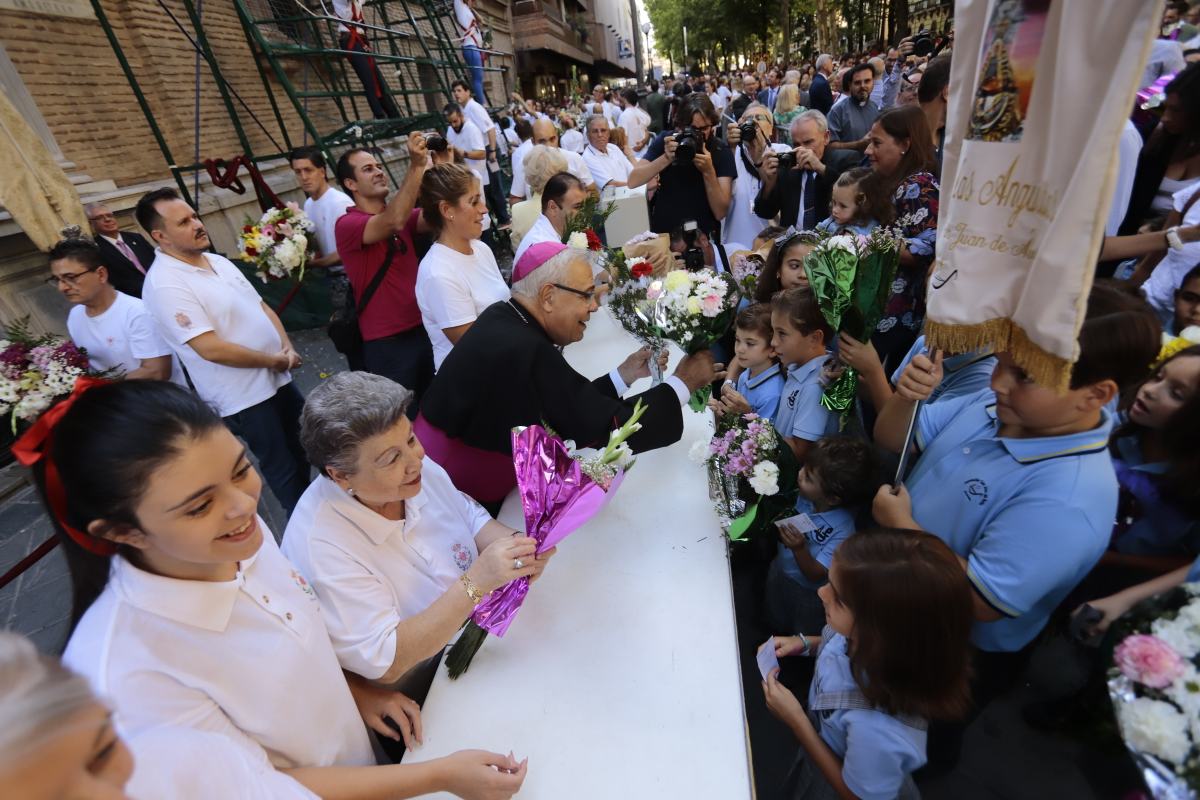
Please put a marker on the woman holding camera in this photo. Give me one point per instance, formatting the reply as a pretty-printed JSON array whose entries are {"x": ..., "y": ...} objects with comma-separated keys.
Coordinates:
[
  {"x": 751, "y": 138},
  {"x": 458, "y": 277},
  {"x": 696, "y": 170}
]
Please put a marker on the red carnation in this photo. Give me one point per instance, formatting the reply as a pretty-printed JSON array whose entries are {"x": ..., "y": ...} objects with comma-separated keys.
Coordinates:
[
  {"x": 247, "y": 229},
  {"x": 593, "y": 240},
  {"x": 641, "y": 269},
  {"x": 250, "y": 251}
]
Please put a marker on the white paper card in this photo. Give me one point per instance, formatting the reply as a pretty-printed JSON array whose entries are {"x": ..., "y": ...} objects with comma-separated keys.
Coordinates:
[
  {"x": 767, "y": 660},
  {"x": 800, "y": 522}
]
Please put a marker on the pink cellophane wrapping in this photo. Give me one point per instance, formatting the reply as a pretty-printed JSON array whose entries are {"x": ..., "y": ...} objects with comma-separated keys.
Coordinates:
[{"x": 557, "y": 498}]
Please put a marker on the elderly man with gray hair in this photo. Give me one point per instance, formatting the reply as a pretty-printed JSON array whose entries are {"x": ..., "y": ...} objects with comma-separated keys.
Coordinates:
[
  {"x": 508, "y": 370},
  {"x": 398, "y": 556},
  {"x": 800, "y": 195}
]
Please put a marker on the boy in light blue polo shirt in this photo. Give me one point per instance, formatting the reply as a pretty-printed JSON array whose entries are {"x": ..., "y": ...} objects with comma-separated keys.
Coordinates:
[
  {"x": 800, "y": 336},
  {"x": 965, "y": 373},
  {"x": 1017, "y": 479},
  {"x": 761, "y": 380}
]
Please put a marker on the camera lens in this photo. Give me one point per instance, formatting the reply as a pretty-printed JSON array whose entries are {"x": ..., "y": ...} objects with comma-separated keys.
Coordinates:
[
  {"x": 749, "y": 131},
  {"x": 787, "y": 160}
]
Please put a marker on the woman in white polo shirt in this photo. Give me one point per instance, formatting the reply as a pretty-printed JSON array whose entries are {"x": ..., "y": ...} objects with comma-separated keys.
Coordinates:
[
  {"x": 458, "y": 277},
  {"x": 186, "y": 612},
  {"x": 398, "y": 556}
]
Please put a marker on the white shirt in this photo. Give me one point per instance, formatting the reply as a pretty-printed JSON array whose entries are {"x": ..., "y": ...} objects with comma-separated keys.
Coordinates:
[
  {"x": 453, "y": 289},
  {"x": 719, "y": 101},
  {"x": 248, "y": 658},
  {"x": 120, "y": 337},
  {"x": 611, "y": 165},
  {"x": 325, "y": 211},
  {"x": 635, "y": 122},
  {"x": 476, "y": 113},
  {"x": 510, "y": 135},
  {"x": 741, "y": 223},
  {"x": 347, "y": 9},
  {"x": 541, "y": 231},
  {"x": 1129, "y": 147},
  {"x": 370, "y": 572},
  {"x": 575, "y": 166},
  {"x": 468, "y": 30},
  {"x": 1159, "y": 288},
  {"x": 573, "y": 141},
  {"x": 186, "y": 764},
  {"x": 468, "y": 139},
  {"x": 187, "y": 301}
]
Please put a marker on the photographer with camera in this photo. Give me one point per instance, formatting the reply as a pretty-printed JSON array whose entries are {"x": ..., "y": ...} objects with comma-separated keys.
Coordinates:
[
  {"x": 695, "y": 170},
  {"x": 750, "y": 139},
  {"x": 797, "y": 185}
]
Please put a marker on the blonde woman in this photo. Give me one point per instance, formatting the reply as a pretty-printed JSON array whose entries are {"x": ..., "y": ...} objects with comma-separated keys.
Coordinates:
[
  {"x": 787, "y": 108},
  {"x": 541, "y": 163}
]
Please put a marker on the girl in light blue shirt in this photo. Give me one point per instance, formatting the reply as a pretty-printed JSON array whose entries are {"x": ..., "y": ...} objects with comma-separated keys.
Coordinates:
[
  {"x": 853, "y": 210},
  {"x": 894, "y": 655}
]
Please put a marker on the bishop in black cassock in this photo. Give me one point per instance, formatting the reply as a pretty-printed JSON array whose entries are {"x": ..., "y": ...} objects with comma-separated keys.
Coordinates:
[{"x": 508, "y": 370}]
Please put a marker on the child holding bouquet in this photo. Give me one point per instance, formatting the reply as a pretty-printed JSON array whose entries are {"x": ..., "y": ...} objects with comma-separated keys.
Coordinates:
[
  {"x": 893, "y": 655},
  {"x": 840, "y": 476},
  {"x": 852, "y": 209},
  {"x": 760, "y": 381},
  {"x": 801, "y": 335}
]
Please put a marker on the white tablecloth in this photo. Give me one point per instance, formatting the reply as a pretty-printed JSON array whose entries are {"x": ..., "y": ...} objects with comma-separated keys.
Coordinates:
[{"x": 619, "y": 678}]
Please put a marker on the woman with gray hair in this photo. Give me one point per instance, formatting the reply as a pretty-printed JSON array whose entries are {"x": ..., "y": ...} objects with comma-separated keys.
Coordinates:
[
  {"x": 397, "y": 555},
  {"x": 509, "y": 371}
]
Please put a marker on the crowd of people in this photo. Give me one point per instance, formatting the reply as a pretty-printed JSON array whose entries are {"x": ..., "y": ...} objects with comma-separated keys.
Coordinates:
[{"x": 217, "y": 644}]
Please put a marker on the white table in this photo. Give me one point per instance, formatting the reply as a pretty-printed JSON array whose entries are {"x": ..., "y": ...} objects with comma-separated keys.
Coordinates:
[{"x": 619, "y": 678}]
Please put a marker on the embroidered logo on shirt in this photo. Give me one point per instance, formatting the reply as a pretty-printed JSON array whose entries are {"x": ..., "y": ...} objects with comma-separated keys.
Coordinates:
[
  {"x": 462, "y": 556},
  {"x": 976, "y": 491},
  {"x": 791, "y": 401},
  {"x": 821, "y": 535},
  {"x": 183, "y": 320},
  {"x": 304, "y": 585}
]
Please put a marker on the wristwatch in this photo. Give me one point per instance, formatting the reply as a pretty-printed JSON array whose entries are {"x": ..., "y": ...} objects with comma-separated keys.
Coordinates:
[{"x": 1173, "y": 238}]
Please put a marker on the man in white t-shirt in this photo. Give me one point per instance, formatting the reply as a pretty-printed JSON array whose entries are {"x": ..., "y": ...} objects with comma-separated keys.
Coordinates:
[
  {"x": 477, "y": 114},
  {"x": 608, "y": 164},
  {"x": 324, "y": 204},
  {"x": 114, "y": 328},
  {"x": 561, "y": 198},
  {"x": 601, "y": 105},
  {"x": 635, "y": 121},
  {"x": 544, "y": 133},
  {"x": 572, "y": 138},
  {"x": 465, "y": 136},
  {"x": 232, "y": 344}
]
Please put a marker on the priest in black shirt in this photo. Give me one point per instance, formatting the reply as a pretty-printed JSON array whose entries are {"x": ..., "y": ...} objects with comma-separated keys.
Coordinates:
[{"x": 508, "y": 370}]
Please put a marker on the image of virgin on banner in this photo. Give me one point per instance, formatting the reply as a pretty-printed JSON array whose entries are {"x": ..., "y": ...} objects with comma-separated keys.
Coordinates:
[{"x": 1014, "y": 37}]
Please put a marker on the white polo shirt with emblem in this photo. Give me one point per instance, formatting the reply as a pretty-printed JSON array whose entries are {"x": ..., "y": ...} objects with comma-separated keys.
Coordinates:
[
  {"x": 187, "y": 301},
  {"x": 371, "y": 572},
  {"x": 248, "y": 658}
]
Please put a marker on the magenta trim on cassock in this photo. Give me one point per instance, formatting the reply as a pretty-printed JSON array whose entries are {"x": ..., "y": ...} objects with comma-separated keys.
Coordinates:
[{"x": 485, "y": 475}]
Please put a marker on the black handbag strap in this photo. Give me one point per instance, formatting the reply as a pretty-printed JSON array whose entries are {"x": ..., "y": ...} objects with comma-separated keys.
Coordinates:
[{"x": 369, "y": 292}]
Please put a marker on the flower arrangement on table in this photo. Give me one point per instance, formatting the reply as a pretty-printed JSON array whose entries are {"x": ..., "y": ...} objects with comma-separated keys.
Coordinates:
[
  {"x": 694, "y": 309},
  {"x": 851, "y": 278},
  {"x": 580, "y": 231},
  {"x": 753, "y": 471},
  {"x": 560, "y": 490},
  {"x": 1155, "y": 689},
  {"x": 278, "y": 243},
  {"x": 37, "y": 370}
]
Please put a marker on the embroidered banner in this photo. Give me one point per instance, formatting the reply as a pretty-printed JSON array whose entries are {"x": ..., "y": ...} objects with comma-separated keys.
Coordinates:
[{"x": 1039, "y": 91}]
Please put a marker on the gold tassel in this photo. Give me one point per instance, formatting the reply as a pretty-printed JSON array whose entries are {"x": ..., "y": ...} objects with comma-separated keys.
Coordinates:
[{"x": 1002, "y": 334}]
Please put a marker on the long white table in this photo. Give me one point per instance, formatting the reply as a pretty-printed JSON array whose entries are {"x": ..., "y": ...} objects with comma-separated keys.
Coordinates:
[{"x": 619, "y": 678}]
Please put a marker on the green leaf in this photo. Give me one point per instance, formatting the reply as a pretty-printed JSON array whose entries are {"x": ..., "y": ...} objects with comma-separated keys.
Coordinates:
[
  {"x": 700, "y": 398},
  {"x": 738, "y": 528}
]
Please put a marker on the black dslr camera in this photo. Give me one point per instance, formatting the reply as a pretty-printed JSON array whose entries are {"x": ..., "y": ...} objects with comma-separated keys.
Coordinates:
[
  {"x": 749, "y": 131},
  {"x": 923, "y": 43},
  {"x": 787, "y": 160},
  {"x": 687, "y": 144},
  {"x": 435, "y": 143},
  {"x": 693, "y": 256}
]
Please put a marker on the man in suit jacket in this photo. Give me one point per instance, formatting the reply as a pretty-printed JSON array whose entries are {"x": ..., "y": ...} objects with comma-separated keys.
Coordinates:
[
  {"x": 767, "y": 96},
  {"x": 126, "y": 254},
  {"x": 819, "y": 94},
  {"x": 811, "y": 181}
]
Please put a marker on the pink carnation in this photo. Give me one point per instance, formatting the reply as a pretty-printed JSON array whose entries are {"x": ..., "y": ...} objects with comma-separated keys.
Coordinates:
[
  {"x": 711, "y": 305},
  {"x": 1148, "y": 660}
]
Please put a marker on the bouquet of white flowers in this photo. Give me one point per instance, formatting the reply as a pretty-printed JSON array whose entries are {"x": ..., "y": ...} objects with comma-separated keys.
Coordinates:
[
  {"x": 278, "y": 243},
  {"x": 755, "y": 471},
  {"x": 36, "y": 370},
  {"x": 1155, "y": 689}
]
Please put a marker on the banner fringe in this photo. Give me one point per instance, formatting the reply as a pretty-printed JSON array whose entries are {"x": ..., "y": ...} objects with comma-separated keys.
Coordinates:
[{"x": 1002, "y": 334}]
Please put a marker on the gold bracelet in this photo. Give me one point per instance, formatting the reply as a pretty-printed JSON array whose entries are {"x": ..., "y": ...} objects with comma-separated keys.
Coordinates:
[{"x": 472, "y": 590}]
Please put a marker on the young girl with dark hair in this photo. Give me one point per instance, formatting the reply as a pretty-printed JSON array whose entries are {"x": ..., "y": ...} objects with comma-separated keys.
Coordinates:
[
  {"x": 187, "y": 614},
  {"x": 853, "y": 209},
  {"x": 894, "y": 654},
  {"x": 785, "y": 264}
]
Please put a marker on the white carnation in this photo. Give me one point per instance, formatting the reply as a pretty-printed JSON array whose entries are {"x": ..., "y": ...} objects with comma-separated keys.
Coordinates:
[
  {"x": 765, "y": 478},
  {"x": 842, "y": 242},
  {"x": 1183, "y": 632},
  {"x": 578, "y": 240},
  {"x": 1155, "y": 727}
]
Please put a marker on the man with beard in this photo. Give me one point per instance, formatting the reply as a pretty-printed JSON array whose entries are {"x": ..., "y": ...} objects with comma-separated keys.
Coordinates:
[
  {"x": 232, "y": 344},
  {"x": 851, "y": 119}
]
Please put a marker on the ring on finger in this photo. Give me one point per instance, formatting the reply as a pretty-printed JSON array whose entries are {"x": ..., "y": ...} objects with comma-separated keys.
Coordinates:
[{"x": 518, "y": 564}]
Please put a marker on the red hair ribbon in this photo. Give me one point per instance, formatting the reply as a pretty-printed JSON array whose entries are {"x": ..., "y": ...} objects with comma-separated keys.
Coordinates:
[{"x": 34, "y": 446}]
